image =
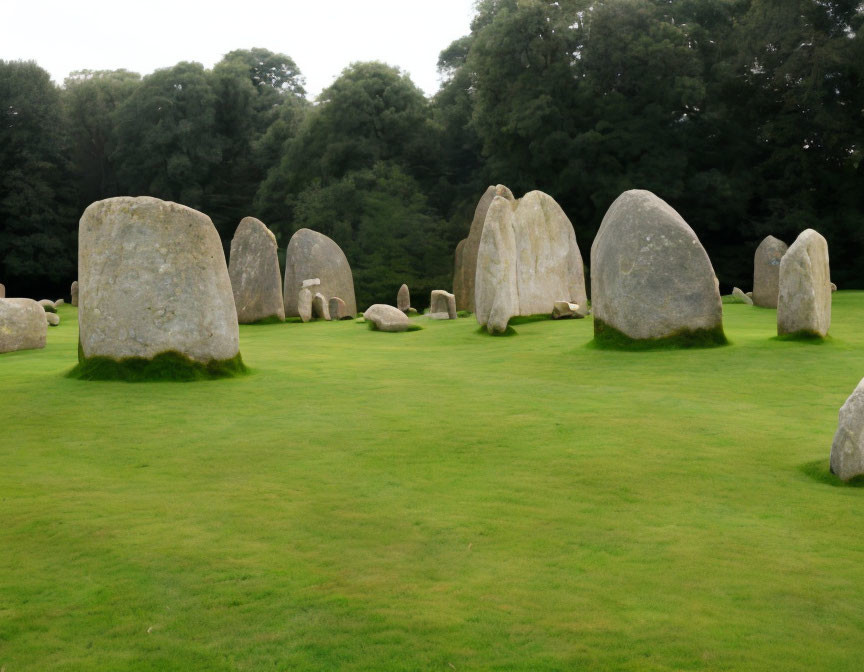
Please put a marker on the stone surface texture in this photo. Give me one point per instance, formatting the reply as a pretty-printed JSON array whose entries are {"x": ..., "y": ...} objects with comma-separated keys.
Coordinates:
[
  {"x": 387, "y": 318},
  {"x": 442, "y": 304},
  {"x": 23, "y": 325},
  {"x": 312, "y": 255},
  {"x": 304, "y": 304},
  {"x": 741, "y": 296},
  {"x": 766, "y": 271},
  {"x": 254, "y": 271},
  {"x": 320, "y": 307},
  {"x": 2, "y": 291},
  {"x": 337, "y": 309},
  {"x": 565, "y": 309},
  {"x": 466, "y": 262},
  {"x": 53, "y": 319},
  {"x": 528, "y": 259},
  {"x": 804, "y": 301},
  {"x": 403, "y": 299},
  {"x": 74, "y": 292},
  {"x": 48, "y": 305},
  {"x": 847, "y": 450},
  {"x": 153, "y": 279},
  {"x": 650, "y": 276}
]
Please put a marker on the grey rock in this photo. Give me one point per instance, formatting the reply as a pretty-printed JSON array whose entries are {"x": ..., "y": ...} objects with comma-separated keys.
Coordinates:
[
  {"x": 403, "y": 299},
  {"x": 847, "y": 449},
  {"x": 23, "y": 325},
  {"x": 153, "y": 279},
  {"x": 750, "y": 294},
  {"x": 320, "y": 307},
  {"x": 313, "y": 255},
  {"x": 338, "y": 310},
  {"x": 304, "y": 304},
  {"x": 766, "y": 271},
  {"x": 48, "y": 305},
  {"x": 565, "y": 309},
  {"x": 833, "y": 288},
  {"x": 53, "y": 319},
  {"x": 2, "y": 291},
  {"x": 442, "y": 305},
  {"x": 74, "y": 293},
  {"x": 650, "y": 276},
  {"x": 528, "y": 259},
  {"x": 59, "y": 302},
  {"x": 387, "y": 318},
  {"x": 466, "y": 263},
  {"x": 254, "y": 271},
  {"x": 741, "y": 296},
  {"x": 804, "y": 302},
  {"x": 311, "y": 282}
]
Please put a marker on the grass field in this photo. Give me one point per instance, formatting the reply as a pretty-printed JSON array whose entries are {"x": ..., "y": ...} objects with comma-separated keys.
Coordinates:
[{"x": 437, "y": 500}]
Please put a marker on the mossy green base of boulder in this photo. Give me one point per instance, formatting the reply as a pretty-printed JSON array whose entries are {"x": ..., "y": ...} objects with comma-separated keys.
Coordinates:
[
  {"x": 820, "y": 471},
  {"x": 510, "y": 331},
  {"x": 803, "y": 335},
  {"x": 373, "y": 327},
  {"x": 166, "y": 366},
  {"x": 528, "y": 319},
  {"x": 609, "y": 338},
  {"x": 273, "y": 319},
  {"x": 464, "y": 313}
]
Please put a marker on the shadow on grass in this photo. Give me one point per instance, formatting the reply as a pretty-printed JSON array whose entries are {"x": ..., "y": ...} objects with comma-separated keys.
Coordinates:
[
  {"x": 820, "y": 471},
  {"x": 607, "y": 337},
  {"x": 411, "y": 327},
  {"x": 164, "y": 367},
  {"x": 803, "y": 337}
]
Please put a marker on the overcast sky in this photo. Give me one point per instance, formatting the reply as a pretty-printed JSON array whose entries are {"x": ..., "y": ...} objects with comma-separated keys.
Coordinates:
[{"x": 322, "y": 36}]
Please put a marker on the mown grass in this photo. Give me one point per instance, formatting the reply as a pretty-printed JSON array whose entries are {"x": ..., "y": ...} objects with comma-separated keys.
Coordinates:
[{"x": 436, "y": 501}]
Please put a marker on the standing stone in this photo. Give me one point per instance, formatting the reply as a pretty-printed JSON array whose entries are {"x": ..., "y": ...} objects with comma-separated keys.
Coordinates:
[
  {"x": 53, "y": 319},
  {"x": 338, "y": 310},
  {"x": 153, "y": 280},
  {"x": 403, "y": 299},
  {"x": 804, "y": 302},
  {"x": 766, "y": 272},
  {"x": 254, "y": 271},
  {"x": 304, "y": 304},
  {"x": 466, "y": 262},
  {"x": 847, "y": 450},
  {"x": 74, "y": 292},
  {"x": 528, "y": 259},
  {"x": 2, "y": 291},
  {"x": 313, "y": 255},
  {"x": 23, "y": 325},
  {"x": 442, "y": 305},
  {"x": 387, "y": 318},
  {"x": 650, "y": 276},
  {"x": 741, "y": 296},
  {"x": 320, "y": 307}
]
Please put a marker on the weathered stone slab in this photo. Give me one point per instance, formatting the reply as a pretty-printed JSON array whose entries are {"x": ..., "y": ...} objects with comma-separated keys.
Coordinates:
[
  {"x": 650, "y": 276},
  {"x": 847, "y": 450},
  {"x": 320, "y": 307},
  {"x": 338, "y": 310},
  {"x": 442, "y": 305},
  {"x": 528, "y": 259},
  {"x": 387, "y": 318},
  {"x": 23, "y": 325},
  {"x": 304, "y": 304},
  {"x": 312, "y": 282},
  {"x": 153, "y": 280},
  {"x": 74, "y": 293},
  {"x": 804, "y": 302},
  {"x": 312, "y": 255},
  {"x": 741, "y": 296},
  {"x": 403, "y": 299},
  {"x": 766, "y": 272},
  {"x": 254, "y": 271}
]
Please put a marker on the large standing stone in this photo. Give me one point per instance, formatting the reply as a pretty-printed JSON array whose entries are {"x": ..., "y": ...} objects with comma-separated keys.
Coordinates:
[
  {"x": 466, "y": 261},
  {"x": 254, "y": 271},
  {"x": 74, "y": 292},
  {"x": 442, "y": 305},
  {"x": 304, "y": 304},
  {"x": 153, "y": 280},
  {"x": 338, "y": 310},
  {"x": 847, "y": 450},
  {"x": 403, "y": 299},
  {"x": 23, "y": 325},
  {"x": 387, "y": 318},
  {"x": 804, "y": 301},
  {"x": 528, "y": 259},
  {"x": 766, "y": 271},
  {"x": 314, "y": 255},
  {"x": 650, "y": 276}
]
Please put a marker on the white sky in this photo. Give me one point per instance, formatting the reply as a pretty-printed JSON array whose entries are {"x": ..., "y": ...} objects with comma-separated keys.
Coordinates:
[{"x": 322, "y": 36}]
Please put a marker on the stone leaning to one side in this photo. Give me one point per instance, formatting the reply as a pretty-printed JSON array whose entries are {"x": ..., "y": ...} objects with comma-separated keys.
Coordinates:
[
  {"x": 153, "y": 280},
  {"x": 847, "y": 449},
  {"x": 23, "y": 325},
  {"x": 804, "y": 301},
  {"x": 254, "y": 271}
]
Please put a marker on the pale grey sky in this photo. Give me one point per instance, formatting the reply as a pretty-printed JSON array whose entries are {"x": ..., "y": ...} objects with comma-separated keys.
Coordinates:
[{"x": 321, "y": 36}]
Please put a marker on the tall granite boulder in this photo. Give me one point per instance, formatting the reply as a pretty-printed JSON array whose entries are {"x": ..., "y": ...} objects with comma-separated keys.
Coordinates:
[
  {"x": 403, "y": 299},
  {"x": 804, "y": 300},
  {"x": 651, "y": 278},
  {"x": 153, "y": 281},
  {"x": 74, "y": 292},
  {"x": 387, "y": 318},
  {"x": 313, "y": 255},
  {"x": 766, "y": 272},
  {"x": 847, "y": 450},
  {"x": 254, "y": 271},
  {"x": 23, "y": 325},
  {"x": 528, "y": 259},
  {"x": 465, "y": 271}
]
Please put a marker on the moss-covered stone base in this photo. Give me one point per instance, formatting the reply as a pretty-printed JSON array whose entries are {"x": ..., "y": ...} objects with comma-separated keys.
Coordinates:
[
  {"x": 803, "y": 335},
  {"x": 411, "y": 327},
  {"x": 166, "y": 366},
  {"x": 610, "y": 338},
  {"x": 510, "y": 331},
  {"x": 273, "y": 319}
]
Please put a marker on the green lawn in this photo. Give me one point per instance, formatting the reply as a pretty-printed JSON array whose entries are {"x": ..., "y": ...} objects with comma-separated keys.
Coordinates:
[{"x": 437, "y": 500}]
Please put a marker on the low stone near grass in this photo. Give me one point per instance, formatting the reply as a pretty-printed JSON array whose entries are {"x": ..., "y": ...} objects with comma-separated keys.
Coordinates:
[
  {"x": 847, "y": 450},
  {"x": 833, "y": 288},
  {"x": 154, "y": 292},
  {"x": 59, "y": 302},
  {"x": 403, "y": 299},
  {"x": 528, "y": 259},
  {"x": 53, "y": 319},
  {"x": 564, "y": 310},
  {"x": 651, "y": 279},
  {"x": 304, "y": 304},
  {"x": 320, "y": 307},
  {"x": 312, "y": 282},
  {"x": 741, "y": 296},
  {"x": 387, "y": 318},
  {"x": 766, "y": 271},
  {"x": 23, "y": 325},
  {"x": 74, "y": 292},
  {"x": 465, "y": 270},
  {"x": 254, "y": 271},
  {"x": 804, "y": 301},
  {"x": 337, "y": 309},
  {"x": 312, "y": 255},
  {"x": 442, "y": 305},
  {"x": 48, "y": 305}
]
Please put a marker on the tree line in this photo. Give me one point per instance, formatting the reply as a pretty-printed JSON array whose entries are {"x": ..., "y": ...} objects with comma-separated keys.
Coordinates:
[{"x": 747, "y": 116}]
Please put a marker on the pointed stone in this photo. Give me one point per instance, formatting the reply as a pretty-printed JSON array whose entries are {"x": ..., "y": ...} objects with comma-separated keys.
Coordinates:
[
  {"x": 766, "y": 272},
  {"x": 254, "y": 270},
  {"x": 312, "y": 255},
  {"x": 847, "y": 449},
  {"x": 741, "y": 296},
  {"x": 804, "y": 302},
  {"x": 403, "y": 299}
]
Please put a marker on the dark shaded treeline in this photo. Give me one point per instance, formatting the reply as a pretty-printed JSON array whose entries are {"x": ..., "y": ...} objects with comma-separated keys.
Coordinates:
[{"x": 746, "y": 115}]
